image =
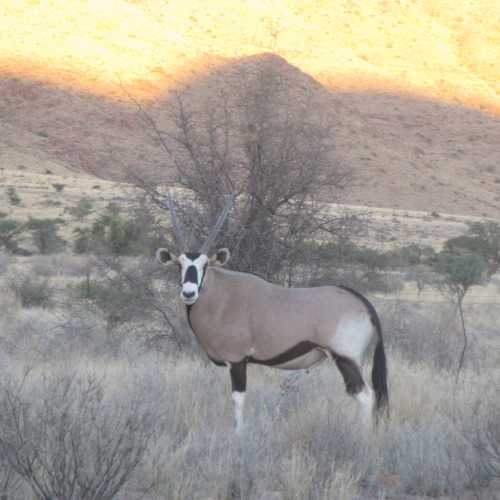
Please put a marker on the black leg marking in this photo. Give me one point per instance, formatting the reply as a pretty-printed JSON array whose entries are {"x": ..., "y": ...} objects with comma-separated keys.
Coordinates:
[
  {"x": 215, "y": 362},
  {"x": 351, "y": 374},
  {"x": 238, "y": 373},
  {"x": 295, "y": 352}
]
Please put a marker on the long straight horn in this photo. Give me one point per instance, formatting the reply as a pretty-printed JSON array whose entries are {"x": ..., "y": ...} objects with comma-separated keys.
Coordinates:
[
  {"x": 178, "y": 233},
  {"x": 218, "y": 225}
]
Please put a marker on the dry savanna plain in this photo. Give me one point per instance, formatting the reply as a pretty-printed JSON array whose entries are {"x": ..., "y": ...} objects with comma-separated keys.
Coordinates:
[
  {"x": 85, "y": 392},
  {"x": 105, "y": 394}
]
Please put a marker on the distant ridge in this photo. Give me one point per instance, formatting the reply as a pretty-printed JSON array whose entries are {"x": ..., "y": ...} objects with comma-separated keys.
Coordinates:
[{"x": 414, "y": 87}]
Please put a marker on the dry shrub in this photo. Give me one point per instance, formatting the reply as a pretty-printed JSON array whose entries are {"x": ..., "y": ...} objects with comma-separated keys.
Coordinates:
[
  {"x": 430, "y": 457},
  {"x": 426, "y": 446},
  {"x": 5, "y": 262},
  {"x": 427, "y": 334},
  {"x": 8, "y": 306},
  {"x": 32, "y": 291},
  {"x": 482, "y": 431},
  {"x": 71, "y": 438},
  {"x": 37, "y": 335},
  {"x": 61, "y": 264}
]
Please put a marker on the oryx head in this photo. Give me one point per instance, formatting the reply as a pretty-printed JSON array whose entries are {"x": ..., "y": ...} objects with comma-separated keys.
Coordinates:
[{"x": 193, "y": 265}]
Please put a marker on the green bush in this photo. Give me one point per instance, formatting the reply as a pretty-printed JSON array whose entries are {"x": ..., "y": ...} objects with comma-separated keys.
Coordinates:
[
  {"x": 122, "y": 298},
  {"x": 411, "y": 255},
  {"x": 482, "y": 239},
  {"x": 45, "y": 235},
  {"x": 10, "y": 230},
  {"x": 117, "y": 234},
  {"x": 459, "y": 272},
  {"x": 348, "y": 252},
  {"x": 13, "y": 196},
  {"x": 81, "y": 209}
]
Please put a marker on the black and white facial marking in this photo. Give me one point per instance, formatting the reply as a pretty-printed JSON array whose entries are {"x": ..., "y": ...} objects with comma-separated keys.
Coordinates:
[{"x": 193, "y": 267}]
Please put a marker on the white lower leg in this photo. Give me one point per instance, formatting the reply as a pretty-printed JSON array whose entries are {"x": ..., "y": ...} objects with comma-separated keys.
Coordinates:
[
  {"x": 366, "y": 402},
  {"x": 239, "y": 401}
]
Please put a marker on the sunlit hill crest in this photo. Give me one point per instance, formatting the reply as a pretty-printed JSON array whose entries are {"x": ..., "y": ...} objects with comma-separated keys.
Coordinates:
[
  {"x": 447, "y": 50},
  {"x": 413, "y": 86}
]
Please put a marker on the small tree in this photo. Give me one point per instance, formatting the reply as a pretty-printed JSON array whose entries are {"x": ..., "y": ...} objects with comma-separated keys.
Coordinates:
[
  {"x": 13, "y": 196},
  {"x": 457, "y": 274},
  {"x": 82, "y": 208},
  {"x": 45, "y": 235},
  {"x": 482, "y": 239},
  {"x": 10, "y": 230},
  {"x": 358, "y": 267},
  {"x": 422, "y": 275},
  {"x": 126, "y": 293},
  {"x": 119, "y": 234},
  {"x": 262, "y": 136}
]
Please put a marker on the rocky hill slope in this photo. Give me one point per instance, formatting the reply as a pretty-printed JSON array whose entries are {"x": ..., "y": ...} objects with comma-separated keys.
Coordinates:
[{"x": 413, "y": 86}]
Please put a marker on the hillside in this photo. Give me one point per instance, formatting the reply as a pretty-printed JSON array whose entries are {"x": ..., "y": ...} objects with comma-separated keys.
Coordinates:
[{"x": 413, "y": 86}]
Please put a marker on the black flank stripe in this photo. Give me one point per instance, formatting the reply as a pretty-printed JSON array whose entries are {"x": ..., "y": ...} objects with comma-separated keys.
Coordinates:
[{"x": 295, "y": 352}]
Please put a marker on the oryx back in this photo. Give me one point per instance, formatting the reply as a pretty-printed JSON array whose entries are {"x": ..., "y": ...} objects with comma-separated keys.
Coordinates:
[{"x": 241, "y": 316}]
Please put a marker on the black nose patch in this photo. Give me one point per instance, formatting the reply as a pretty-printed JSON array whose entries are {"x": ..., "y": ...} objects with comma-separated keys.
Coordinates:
[{"x": 191, "y": 275}]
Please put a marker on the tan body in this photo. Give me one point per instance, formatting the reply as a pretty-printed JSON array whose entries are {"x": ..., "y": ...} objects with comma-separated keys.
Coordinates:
[{"x": 239, "y": 315}]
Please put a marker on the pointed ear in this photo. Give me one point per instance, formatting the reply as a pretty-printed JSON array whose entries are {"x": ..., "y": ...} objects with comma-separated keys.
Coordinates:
[
  {"x": 221, "y": 257},
  {"x": 163, "y": 256}
]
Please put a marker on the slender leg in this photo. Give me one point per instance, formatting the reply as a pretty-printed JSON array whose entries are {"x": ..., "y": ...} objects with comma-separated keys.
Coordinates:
[
  {"x": 238, "y": 373},
  {"x": 356, "y": 386}
]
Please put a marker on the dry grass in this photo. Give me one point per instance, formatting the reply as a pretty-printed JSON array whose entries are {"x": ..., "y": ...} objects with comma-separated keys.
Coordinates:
[
  {"x": 302, "y": 437},
  {"x": 305, "y": 444}
]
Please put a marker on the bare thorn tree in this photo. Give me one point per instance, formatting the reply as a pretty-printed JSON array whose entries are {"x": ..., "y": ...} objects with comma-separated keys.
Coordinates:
[{"x": 263, "y": 135}]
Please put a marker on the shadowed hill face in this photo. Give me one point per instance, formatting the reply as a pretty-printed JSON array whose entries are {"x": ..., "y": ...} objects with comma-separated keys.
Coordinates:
[{"x": 405, "y": 152}]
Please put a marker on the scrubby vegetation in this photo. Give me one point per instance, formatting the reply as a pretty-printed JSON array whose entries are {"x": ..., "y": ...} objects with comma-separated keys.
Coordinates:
[
  {"x": 13, "y": 196},
  {"x": 32, "y": 291},
  {"x": 107, "y": 391},
  {"x": 10, "y": 230},
  {"x": 83, "y": 208},
  {"x": 45, "y": 235},
  {"x": 117, "y": 233},
  {"x": 107, "y": 394}
]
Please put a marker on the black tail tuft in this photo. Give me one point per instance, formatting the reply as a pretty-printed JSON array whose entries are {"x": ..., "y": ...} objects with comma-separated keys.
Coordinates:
[
  {"x": 379, "y": 369},
  {"x": 379, "y": 378}
]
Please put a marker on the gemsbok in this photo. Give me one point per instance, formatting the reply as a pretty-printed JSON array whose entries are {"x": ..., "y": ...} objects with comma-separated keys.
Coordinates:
[{"x": 240, "y": 318}]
